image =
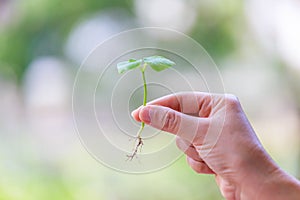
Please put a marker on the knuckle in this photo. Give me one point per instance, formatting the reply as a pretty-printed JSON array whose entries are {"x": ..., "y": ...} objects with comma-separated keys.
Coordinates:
[
  {"x": 231, "y": 100},
  {"x": 171, "y": 121}
]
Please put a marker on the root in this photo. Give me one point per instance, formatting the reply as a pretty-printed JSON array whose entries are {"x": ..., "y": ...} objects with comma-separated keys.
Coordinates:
[
  {"x": 139, "y": 143},
  {"x": 138, "y": 146}
]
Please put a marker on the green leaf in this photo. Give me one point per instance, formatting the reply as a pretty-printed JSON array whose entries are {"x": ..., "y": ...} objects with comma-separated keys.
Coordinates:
[
  {"x": 128, "y": 65},
  {"x": 158, "y": 63}
]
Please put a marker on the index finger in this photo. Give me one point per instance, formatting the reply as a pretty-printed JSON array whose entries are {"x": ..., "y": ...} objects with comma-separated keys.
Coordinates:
[
  {"x": 191, "y": 103},
  {"x": 185, "y": 102}
]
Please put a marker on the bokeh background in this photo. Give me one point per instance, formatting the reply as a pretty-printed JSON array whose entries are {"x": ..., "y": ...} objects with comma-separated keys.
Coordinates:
[{"x": 255, "y": 44}]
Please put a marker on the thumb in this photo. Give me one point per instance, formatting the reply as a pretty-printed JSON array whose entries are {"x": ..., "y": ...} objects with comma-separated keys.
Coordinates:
[{"x": 167, "y": 119}]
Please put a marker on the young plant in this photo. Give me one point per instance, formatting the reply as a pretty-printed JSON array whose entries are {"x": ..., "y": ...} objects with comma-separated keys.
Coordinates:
[{"x": 157, "y": 63}]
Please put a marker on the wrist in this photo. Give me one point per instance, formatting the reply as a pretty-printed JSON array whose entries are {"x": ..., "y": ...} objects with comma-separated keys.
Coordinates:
[
  {"x": 263, "y": 179},
  {"x": 280, "y": 186},
  {"x": 257, "y": 177}
]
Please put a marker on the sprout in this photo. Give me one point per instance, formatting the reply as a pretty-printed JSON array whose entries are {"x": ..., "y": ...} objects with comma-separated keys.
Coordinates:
[{"x": 157, "y": 63}]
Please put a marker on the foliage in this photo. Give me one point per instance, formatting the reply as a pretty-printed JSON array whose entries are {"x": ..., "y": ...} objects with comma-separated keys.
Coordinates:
[{"x": 41, "y": 28}]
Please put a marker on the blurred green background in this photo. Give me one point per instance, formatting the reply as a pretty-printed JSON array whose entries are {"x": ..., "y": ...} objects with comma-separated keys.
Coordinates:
[{"x": 255, "y": 44}]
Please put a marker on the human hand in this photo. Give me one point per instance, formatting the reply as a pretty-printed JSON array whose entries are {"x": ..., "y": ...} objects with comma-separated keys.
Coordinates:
[{"x": 218, "y": 139}]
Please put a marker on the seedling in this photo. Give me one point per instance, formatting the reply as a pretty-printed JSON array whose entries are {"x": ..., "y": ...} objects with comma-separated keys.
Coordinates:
[{"x": 157, "y": 63}]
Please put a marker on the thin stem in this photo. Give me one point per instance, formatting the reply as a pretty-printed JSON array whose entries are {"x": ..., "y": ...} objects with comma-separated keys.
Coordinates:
[
  {"x": 145, "y": 98},
  {"x": 140, "y": 130},
  {"x": 145, "y": 88}
]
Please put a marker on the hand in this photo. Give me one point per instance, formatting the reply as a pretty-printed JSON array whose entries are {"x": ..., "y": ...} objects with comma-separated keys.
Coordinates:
[{"x": 217, "y": 138}]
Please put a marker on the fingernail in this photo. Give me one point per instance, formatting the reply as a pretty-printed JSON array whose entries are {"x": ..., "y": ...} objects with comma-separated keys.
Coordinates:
[
  {"x": 134, "y": 112},
  {"x": 145, "y": 115}
]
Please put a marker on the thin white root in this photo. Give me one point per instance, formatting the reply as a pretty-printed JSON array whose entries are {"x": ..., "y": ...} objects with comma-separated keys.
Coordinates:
[{"x": 138, "y": 147}]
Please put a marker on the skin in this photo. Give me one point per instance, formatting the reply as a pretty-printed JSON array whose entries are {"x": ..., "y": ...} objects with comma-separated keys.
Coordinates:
[{"x": 217, "y": 138}]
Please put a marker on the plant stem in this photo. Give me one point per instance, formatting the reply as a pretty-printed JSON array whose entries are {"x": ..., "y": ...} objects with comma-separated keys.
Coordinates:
[
  {"x": 145, "y": 88},
  {"x": 145, "y": 98}
]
